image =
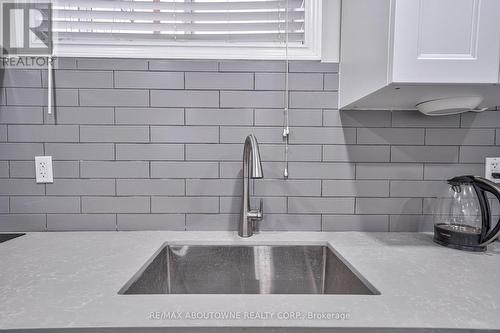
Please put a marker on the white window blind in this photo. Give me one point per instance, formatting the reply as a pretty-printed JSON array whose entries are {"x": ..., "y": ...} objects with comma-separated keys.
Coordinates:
[{"x": 181, "y": 22}]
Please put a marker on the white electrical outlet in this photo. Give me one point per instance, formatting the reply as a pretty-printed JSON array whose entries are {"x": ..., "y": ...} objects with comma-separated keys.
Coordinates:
[
  {"x": 492, "y": 171},
  {"x": 43, "y": 169}
]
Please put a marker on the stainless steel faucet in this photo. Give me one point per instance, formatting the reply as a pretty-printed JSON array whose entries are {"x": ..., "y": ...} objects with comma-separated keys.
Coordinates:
[{"x": 252, "y": 168}]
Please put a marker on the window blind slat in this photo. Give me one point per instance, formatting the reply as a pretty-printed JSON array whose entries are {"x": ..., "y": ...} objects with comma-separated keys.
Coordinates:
[
  {"x": 184, "y": 27},
  {"x": 186, "y": 6},
  {"x": 89, "y": 37},
  {"x": 63, "y": 14}
]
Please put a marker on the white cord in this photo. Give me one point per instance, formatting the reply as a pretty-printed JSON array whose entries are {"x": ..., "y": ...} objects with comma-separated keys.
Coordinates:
[
  {"x": 49, "y": 84},
  {"x": 286, "y": 127}
]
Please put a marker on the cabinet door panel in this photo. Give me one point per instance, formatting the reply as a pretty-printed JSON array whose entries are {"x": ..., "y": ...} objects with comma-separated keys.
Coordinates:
[{"x": 446, "y": 41}]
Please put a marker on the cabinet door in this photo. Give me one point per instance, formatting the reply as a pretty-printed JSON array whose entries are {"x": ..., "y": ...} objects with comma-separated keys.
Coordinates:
[{"x": 448, "y": 41}]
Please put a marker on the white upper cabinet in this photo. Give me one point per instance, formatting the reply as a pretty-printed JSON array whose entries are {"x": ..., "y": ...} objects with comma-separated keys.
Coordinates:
[
  {"x": 398, "y": 53},
  {"x": 456, "y": 41}
]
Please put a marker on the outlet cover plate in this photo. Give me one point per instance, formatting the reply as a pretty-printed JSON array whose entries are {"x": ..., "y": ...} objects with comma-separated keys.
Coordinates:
[
  {"x": 43, "y": 169},
  {"x": 492, "y": 166}
]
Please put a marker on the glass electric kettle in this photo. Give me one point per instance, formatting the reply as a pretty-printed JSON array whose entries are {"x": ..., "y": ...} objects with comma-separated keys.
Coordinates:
[{"x": 462, "y": 217}]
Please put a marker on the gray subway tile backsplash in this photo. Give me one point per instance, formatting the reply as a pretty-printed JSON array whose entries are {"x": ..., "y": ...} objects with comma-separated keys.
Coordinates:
[
  {"x": 4, "y": 206},
  {"x": 272, "y": 205},
  {"x": 149, "y": 152},
  {"x": 356, "y": 153},
  {"x": 3, "y": 133},
  {"x": 211, "y": 81},
  {"x": 184, "y": 98},
  {"x": 185, "y": 134},
  {"x": 149, "y": 80},
  {"x": 447, "y": 171},
  {"x": 4, "y": 169},
  {"x": 21, "y": 222},
  {"x": 252, "y": 99},
  {"x": 80, "y": 116},
  {"x": 130, "y": 222},
  {"x": 20, "y": 187},
  {"x": 22, "y": 78},
  {"x": 43, "y": 133},
  {"x": 185, "y": 205},
  {"x": 204, "y": 116},
  {"x": 99, "y": 133},
  {"x": 211, "y": 222},
  {"x": 296, "y": 81},
  {"x": 288, "y": 222},
  {"x": 175, "y": 222},
  {"x": 44, "y": 204},
  {"x": 389, "y": 171},
  {"x": 3, "y": 96},
  {"x": 331, "y": 81},
  {"x": 298, "y": 205},
  {"x": 424, "y": 154},
  {"x": 157, "y": 144},
  {"x": 477, "y": 154},
  {"x": 480, "y": 120},
  {"x": 149, "y": 116},
  {"x": 462, "y": 137},
  {"x": 280, "y": 187},
  {"x": 397, "y": 206},
  {"x": 112, "y": 64},
  {"x": 251, "y": 66},
  {"x": 113, "y": 97},
  {"x": 82, "y": 187},
  {"x": 79, "y": 151},
  {"x": 313, "y": 99},
  {"x": 237, "y": 134},
  {"x": 150, "y": 187},
  {"x": 61, "y": 169},
  {"x": 183, "y": 65},
  {"x": 357, "y": 118},
  {"x": 184, "y": 169},
  {"x": 82, "y": 222},
  {"x": 297, "y": 117},
  {"x": 412, "y": 188},
  {"x": 114, "y": 169},
  {"x": 390, "y": 136},
  {"x": 38, "y": 97},
  {"x": 110, "y": 204},
  {"x": 20, "y": 151},
  {"x": 80, "y": 79},
  {"x": 355, "y": 188},
  {"x": 21, "y": 115},
  {"x": 313, "y": 66},
  {"x": 368, "y": 223},
  {"x": 416, "y": 119}
]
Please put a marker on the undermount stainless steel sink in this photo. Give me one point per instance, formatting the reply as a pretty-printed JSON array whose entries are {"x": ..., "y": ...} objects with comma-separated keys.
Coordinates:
[{"x": 196, "y": 269}]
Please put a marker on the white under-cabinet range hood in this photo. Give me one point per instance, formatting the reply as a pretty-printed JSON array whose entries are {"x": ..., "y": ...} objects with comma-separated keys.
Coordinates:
[{"x": 436, "y": 56}]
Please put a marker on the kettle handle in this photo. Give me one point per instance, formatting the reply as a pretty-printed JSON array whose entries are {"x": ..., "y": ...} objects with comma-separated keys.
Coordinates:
[{"x": 489, "y": 186}]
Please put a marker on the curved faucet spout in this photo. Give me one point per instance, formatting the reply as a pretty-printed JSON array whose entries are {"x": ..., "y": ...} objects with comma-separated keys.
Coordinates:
[
  {"x": 252, "y": 168},
  {"x": 251, "y": 154}
]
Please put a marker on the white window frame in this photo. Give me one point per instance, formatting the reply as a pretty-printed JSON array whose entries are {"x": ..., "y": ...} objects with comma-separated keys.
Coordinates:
[{"x": 311, "y": 50}]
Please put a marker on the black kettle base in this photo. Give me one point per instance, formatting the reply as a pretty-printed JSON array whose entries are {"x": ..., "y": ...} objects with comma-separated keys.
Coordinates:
[
  {"x": 465, "y": 241},
  {"x": 461, "y": 247}
]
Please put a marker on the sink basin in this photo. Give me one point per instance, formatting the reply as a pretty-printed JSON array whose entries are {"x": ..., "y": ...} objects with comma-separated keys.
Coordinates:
[
  {"x": 6, "y": 237},
  {"x": 196, "y": 269}
]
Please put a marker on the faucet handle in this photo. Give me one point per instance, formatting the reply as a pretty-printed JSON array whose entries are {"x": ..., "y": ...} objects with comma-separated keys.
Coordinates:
[
  {"x": 260, "y": 213},
  {"x": 257, "y": 214}
]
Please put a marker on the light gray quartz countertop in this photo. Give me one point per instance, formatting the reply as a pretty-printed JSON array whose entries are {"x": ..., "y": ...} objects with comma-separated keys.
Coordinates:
[{"x": 71, "y": 280}]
